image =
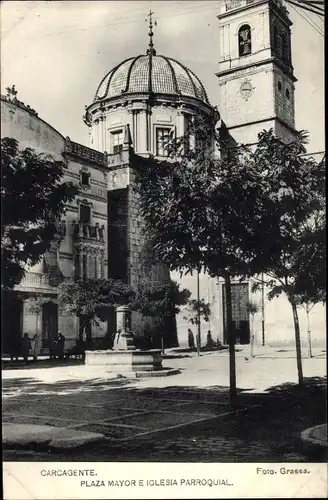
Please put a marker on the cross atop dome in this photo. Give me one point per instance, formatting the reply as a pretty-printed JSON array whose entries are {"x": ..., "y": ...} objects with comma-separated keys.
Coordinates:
[{"x": 151, "y": 51}]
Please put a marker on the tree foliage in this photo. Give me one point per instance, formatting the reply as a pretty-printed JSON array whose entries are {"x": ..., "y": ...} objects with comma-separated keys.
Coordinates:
[
  {"x": 293, "y": 190},
  {"x": 33, "y": 198},
  {"x": 293, "y": 187},
  {"x": 195, "y": 309},
  {"x": 157, "y": 299},
  {"x": 239, "y": 215},
  {"x": 35, "y": 303},
  {"x": 198, "y": 211},
  {"x": 91, "y": 298}
]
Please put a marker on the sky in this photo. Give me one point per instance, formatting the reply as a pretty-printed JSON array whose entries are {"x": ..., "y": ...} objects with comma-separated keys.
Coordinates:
[{"x": 57, "y": 52}]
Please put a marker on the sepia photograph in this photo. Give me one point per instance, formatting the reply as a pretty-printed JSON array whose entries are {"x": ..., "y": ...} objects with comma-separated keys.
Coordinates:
[{"x": 163, "y": 249}]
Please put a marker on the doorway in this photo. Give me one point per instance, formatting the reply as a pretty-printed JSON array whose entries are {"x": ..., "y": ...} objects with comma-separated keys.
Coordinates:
[
  {"x": 240, "y": 315},
  {"x": 49, "y": 323},
  {"x": 11, "y": 324}
]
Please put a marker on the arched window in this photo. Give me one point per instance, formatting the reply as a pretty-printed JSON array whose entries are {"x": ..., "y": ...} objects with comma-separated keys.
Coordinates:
[{"x": 244, "y": 40}]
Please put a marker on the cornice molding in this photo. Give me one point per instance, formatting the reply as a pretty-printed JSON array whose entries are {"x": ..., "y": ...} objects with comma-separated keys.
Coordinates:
[
  {"x": 270, "y": 60},
  {"x": 137, "y": 102}
]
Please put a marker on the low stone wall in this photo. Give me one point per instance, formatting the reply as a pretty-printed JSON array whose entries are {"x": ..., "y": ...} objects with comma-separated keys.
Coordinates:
[{"x": 125, "y": 361}]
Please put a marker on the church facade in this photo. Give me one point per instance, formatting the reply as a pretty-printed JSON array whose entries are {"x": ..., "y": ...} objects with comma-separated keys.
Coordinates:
[{"x": 137, "y": 107}]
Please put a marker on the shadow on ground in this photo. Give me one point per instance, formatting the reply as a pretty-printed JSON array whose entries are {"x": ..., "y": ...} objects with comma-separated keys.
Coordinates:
[
  {"x": 267, "y": 430},
  {"x": 39, "y": 363}
]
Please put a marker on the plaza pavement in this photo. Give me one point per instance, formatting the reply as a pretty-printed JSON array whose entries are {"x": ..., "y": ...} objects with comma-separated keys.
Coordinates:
[{"x": 83, "y": 403}]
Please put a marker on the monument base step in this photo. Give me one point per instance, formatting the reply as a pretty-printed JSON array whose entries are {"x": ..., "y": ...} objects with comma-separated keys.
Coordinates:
[{"x": 165, "y": 372}]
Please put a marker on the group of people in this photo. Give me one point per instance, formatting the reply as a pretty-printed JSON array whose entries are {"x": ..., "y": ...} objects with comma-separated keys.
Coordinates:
[
  {"x": 22, "y": 347},
  {"x": 57, "y": 347},
  {"x": 210, "y": 344}
]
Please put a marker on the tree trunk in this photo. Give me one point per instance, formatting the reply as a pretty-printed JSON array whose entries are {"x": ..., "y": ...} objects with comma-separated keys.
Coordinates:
[
  {"x": 36, "y": 338},
  {"x": 85, "y": 331},
  {"x": 162, "y": 345},
  {"x": 297, "y": 343},
  {"x": 88, "y": 333},
  {"x": 198, "y": 317},
  {"x": 252, "y": 337},
  {"x": 231, "y": 340},
  {"x": 309, "y": 332},
  {"x": 162, "y": 335}
]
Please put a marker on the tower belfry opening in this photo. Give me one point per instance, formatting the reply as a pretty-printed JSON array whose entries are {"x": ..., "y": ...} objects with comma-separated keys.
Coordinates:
[{"x": 256, "y": 76}]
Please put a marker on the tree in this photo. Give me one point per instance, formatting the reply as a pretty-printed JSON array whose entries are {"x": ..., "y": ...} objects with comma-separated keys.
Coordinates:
[
  {"x": 159, "y": 300},
  {"x": 33, "y": 198},
  {"x": 198, "y": 212},
  {"x": 310, "y": 285},
  {"x": 92, "y": 299},
  {"x": 252, "y": 308},
  {"x": 34, "y": 306},
  {"x": 237, "y": 216},
  {"x": 291, "y": 211},
  {"x": 195, "y": 310},
  {"x": 193, "y": 307}
]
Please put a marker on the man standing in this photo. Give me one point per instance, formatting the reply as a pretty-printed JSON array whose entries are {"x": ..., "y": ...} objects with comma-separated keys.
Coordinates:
[{"x": 26, "y": 346}]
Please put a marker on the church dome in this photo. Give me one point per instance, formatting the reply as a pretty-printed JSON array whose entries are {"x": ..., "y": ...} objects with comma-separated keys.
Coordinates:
[{"x": 151, "y": 74}]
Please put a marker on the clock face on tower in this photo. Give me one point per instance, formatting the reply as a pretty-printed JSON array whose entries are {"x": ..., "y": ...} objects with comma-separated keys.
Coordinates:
[{"x": 246, "y": 89}]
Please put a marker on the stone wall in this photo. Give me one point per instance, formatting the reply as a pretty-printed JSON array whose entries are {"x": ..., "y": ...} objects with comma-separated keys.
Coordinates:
[
  {"x": 30, "y": 130},
  {"x": 278, "y": 324}
]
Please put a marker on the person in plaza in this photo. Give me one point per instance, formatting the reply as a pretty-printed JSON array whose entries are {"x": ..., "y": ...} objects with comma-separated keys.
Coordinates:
[
  {"x": 209, "y": 340},
  {"x": 36, "y": 346},
  {"x": 26, "y": 346},
  {"x": 53, "y": 348},
  {"x": 15, "y": 346},
  {"x": 191, "y": 339},
  {"x": 60, "y": 345}
]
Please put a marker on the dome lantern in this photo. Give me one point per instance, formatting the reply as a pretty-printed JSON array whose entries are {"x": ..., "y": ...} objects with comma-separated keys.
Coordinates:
[{"x": 151, "y": 51}]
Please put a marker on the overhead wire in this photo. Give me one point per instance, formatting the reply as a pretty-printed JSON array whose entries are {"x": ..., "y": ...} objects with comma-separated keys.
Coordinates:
[
  {"x": 30, "y": 7},
  {"x": 320, "y": 18},
  {"x": 312, "y": 21},
  {"x": 306, "y": 19},
  {"x": 135, "y": 19},
  {"x": 316, "y": 5},
  {"x": 306, "y": 8}
]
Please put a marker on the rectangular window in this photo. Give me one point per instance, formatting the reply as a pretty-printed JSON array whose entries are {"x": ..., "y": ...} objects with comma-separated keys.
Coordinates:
[
  {"x": 85, "y": 214},
  {"x": 85, "y": 179},
  {"x": 117, "y": 141},
  {"x": 162, "y": 140}
]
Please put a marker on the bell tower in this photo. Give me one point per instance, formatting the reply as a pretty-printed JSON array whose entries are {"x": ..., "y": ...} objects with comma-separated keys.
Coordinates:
[{"x": 256, "y": 77}]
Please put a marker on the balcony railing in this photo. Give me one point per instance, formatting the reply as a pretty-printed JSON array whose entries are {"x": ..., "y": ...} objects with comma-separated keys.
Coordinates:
[
  {"x": 34, "y": 280},
  {"x": 88, "y": 231},
  {"x": 121, "y": 158},
  {"x": 76, "y": 149},
  {"x": 40, "y": 280},
  {"x": 236, "y": 4}
]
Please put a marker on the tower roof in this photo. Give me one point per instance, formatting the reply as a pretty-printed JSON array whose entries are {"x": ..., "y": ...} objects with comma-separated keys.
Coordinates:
[{"x": 153, "y": 74}]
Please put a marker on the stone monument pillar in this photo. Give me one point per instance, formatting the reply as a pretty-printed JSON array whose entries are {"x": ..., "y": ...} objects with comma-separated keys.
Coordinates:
[{"x": 124, "y": 338}]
